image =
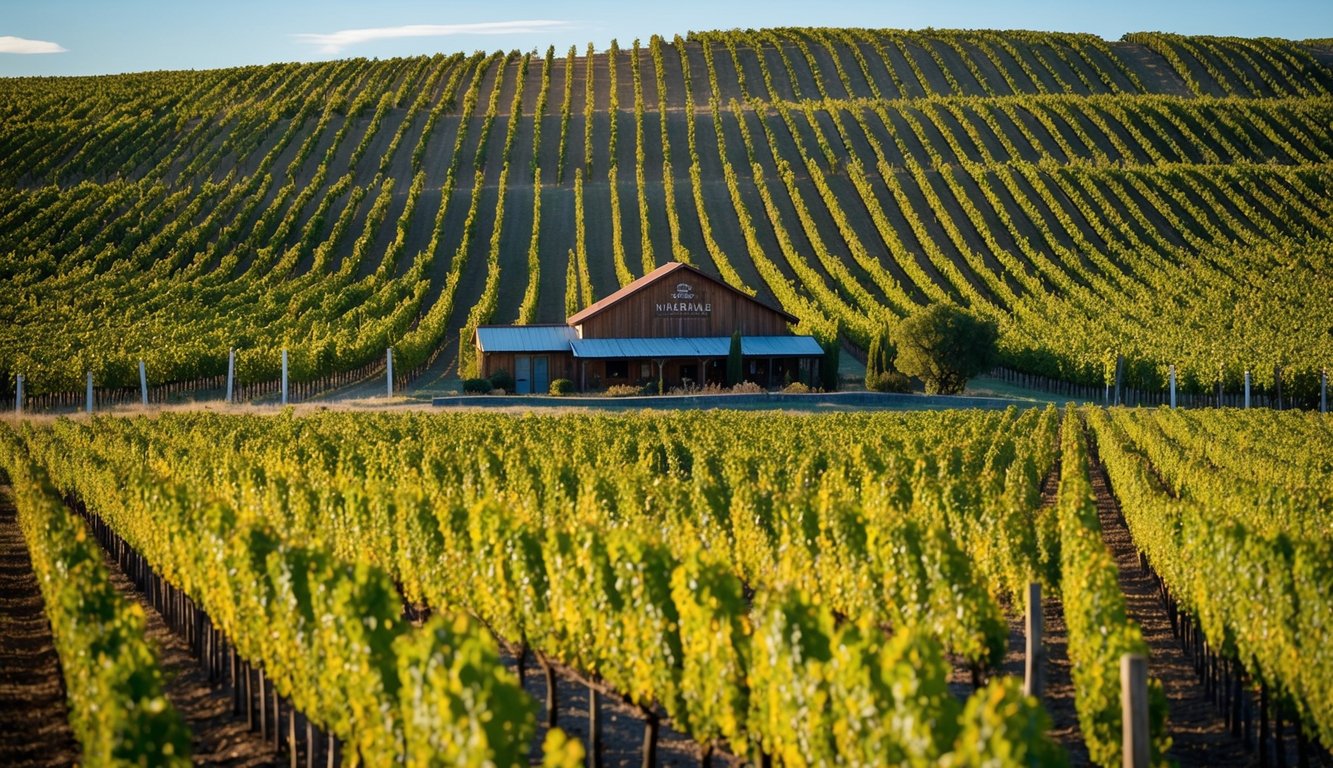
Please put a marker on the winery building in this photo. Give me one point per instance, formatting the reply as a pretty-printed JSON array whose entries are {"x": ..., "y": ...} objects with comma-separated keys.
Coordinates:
[{"x": 673, "y": 324}]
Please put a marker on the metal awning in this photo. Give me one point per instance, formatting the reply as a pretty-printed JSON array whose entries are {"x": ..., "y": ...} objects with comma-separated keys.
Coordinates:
[
  {"x": 705, "y": 347},
  {"x": 525, "y": 338}
]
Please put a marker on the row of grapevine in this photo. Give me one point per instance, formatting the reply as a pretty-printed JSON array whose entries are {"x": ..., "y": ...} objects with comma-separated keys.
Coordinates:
[
  {"x": 118, "y": 708},
  {"x": 1243, "y": 564}
]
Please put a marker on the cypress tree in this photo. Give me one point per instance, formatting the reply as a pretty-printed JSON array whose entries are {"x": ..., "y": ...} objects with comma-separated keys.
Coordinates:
[
  {"x": 873, "y": 362},
  {"x": 735, "y": 365}
]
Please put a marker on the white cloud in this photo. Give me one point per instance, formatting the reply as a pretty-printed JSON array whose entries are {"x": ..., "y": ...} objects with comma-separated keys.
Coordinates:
[
  {"x": 10, "y": 44},
  {"x": 335, "y": 42}
]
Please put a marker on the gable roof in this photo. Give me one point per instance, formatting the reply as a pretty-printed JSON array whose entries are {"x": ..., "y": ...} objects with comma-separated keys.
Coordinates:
[{"x": 661, "y": 272}]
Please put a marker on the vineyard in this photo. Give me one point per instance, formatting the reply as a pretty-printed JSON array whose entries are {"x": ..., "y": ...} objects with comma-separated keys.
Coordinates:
[
  {"x": 1161, "y": 198},
  {"x": 746, "y": 580}
]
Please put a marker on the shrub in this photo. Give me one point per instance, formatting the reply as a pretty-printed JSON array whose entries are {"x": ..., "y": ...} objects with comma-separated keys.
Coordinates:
[
  {"x": 888, "y": 381},
  {"x": 747, "y": 388},
  {"x": 502, "y": 380},
  {"x": 945, "y": 346},
  {"x": 623, "y": 390},
  {"x": 477, "y": 386},
  {"x": 562, "y": 387},
  {"x": 796, "y": 388}
]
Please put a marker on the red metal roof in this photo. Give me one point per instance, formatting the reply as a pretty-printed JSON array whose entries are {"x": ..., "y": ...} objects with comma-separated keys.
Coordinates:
[{"x": 670, "y": 267}]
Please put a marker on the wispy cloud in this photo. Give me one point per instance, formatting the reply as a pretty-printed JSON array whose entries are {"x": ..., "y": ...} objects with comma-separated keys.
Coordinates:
[
  {"x": 10, "y": 44},
  {"x": 335, "y": 42}
]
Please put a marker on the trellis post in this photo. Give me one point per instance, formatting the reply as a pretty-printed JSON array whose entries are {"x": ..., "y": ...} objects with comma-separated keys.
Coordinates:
[
  {"x": 1173, "y": 386},
  {"x": 143, "y": 384},
  {"x": 284, "y": 376},
  {"x": 231, "y": 372},
  {"x": 1134, "y": 710},
  {"x": 388, "y": 367},
  {"x": 88, "y": 400}
]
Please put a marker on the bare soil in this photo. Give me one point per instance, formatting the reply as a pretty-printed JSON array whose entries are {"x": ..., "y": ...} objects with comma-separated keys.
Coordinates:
[
  {"x": 34, "y": 718},
  {"x": 218, "y": 738},
  {"x": 1198, "y": 732}
]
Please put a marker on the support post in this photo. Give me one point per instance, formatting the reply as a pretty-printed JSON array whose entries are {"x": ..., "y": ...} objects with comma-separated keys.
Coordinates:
[
  {"x": 594, "y": 730},
  {"x": 89, "y": 398},
  {"x": 1034, "y": 665},
  {"x": 1323, "y": 391},
  {"x": 231, "y": 373},
  {"x": 1247, "y": 389},
  {"x": 388, "y": 367},
  {"x": 18, "y": 395},
  {"x": 1119, "y": 376},
  {"x": 143, "y": 384},
  {"x": 284, "y": 376},
  {"x": 1173, "y": 386},
  {"x": 1134, "y": 710}
]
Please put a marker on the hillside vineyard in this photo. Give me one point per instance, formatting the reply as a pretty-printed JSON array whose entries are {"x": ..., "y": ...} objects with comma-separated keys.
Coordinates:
[{"x": 1164, "y": 198}]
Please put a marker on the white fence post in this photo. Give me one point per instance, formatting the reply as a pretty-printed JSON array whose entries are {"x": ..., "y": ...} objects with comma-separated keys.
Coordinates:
[
  {"x": 1173, "y": 386},
  {"x": 143, "y": 384},
  {"x": 1134, "y": 710},
  {"x": 284, "y": 376},
  {"x": 18, "y": 395},
  {"x": 388, "y": 367},
  {"x": 231, "y": 372},
  {"x": 1247, "y": 389},
  {"x": 89, "y": 398}
]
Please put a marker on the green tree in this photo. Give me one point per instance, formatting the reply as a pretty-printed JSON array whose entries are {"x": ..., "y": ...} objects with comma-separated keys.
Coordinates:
[
  {"x": 735, "y": 363},
  {"x": 944, "y": 347}
]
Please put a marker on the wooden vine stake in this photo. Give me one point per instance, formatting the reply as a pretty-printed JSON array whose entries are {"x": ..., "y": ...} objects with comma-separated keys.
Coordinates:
[
  {"x": 1134, "y": 710},
  {"x": 1034, "y": 667}
]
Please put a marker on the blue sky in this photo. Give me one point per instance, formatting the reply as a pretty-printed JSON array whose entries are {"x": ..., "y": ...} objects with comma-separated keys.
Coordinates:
[{"x": 61, "y": 37}]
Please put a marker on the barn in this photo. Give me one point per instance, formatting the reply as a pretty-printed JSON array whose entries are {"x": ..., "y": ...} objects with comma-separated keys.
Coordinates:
[{"x": 672, "y": 325}]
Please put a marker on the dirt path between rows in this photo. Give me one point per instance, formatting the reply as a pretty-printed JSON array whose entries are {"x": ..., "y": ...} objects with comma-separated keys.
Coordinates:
[
  {"x": 34, "y": 719},
  {"x": 1198, "y": 732},
  {"x": 217, "y": 738}
]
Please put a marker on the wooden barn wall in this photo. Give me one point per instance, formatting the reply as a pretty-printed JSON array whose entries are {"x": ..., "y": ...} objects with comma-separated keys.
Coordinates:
[{"x": 638, "y": 316}]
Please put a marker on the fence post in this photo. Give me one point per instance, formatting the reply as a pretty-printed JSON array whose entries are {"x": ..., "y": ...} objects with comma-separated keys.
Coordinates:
[
  {"x": 388, "y": 366},
  {"x": 88, "y": 400},
  {"x": 143, "y": 384},
  {"x": 1119, "y": 374},
  {"x": 1173, "y": 386},
  {"x": 1034, "y": 665},
  {"x": 1247, "y": 389},
  {"x": 284, "y": 376},
  {"x": 231, "y": 373},
  {"x": 18, "y": 395},
  {"x": 1134, "y": 710},
  {"x": 1323, "y": 391}
]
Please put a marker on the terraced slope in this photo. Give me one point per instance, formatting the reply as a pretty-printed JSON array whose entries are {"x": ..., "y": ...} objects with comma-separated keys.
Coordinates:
[{"x": 1162, "y": 197}]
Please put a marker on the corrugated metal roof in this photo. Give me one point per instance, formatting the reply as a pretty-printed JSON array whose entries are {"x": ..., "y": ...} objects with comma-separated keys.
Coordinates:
[
  {"x": 780, "y": 346},
  {"x": 713, "y": 347},
  {"x": 525, "y": 338}
]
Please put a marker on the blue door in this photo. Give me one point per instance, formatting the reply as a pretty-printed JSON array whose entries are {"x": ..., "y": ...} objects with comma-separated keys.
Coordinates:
[
  {"x": 541, "y": 379},
  {"x": 523, "y": 374}
]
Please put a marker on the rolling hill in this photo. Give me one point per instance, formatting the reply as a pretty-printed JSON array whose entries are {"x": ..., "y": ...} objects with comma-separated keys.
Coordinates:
[{"x": 1160, "y": 197}]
